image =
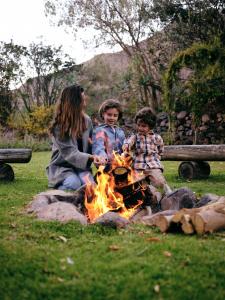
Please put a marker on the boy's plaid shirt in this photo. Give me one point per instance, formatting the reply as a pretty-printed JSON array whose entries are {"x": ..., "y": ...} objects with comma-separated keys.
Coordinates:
[{"x": 146, "y": 149}]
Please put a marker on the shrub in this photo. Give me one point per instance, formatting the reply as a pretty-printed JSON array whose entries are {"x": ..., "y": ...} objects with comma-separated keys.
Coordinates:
[{"x": 35, "y": 123}]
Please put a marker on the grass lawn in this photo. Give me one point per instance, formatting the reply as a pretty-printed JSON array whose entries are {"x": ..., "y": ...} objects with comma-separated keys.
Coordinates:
[{"x": 48, "y": 260}]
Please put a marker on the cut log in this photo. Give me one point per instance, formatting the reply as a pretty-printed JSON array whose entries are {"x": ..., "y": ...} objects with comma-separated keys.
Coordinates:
[
  {"x": 208, "y": 218},
  {"x": 15, "y": 155},
  {"x": 194, "y": 152},
  {"x": 163, "y": 222},
  {"x": 187, "y": 226},
  {"x": 208, "y": 221},
  {"x": 151, "y": 220}
]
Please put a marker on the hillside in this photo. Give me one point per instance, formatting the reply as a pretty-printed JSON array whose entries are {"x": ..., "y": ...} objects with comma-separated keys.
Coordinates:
[{"x": 108, "y": 75}]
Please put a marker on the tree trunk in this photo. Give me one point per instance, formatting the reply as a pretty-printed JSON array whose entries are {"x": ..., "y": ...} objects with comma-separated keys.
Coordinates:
[
  {"x": 15, "y": 155},
  {"x": 194, "y": 152}
]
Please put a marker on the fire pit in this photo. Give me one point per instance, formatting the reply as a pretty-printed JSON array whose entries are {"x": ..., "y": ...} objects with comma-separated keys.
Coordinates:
[{"x": 120, "y": 190}]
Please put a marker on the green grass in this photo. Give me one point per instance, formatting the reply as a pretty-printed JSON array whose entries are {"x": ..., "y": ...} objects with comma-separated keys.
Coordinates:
[{"x": 36, "y": 263}]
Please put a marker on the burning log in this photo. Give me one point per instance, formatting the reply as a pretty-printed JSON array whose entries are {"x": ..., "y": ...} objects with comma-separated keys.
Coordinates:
[{"x": 118, "y": 190}]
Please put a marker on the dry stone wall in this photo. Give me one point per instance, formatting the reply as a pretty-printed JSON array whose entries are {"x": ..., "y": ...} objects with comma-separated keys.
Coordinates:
[{"x": 210, "y": 131}]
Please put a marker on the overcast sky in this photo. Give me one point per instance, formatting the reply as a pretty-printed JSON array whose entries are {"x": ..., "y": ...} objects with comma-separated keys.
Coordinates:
[{"x": 24, "y": 22}]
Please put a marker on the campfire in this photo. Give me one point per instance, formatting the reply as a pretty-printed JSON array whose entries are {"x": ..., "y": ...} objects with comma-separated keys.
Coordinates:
[
  {"x": 119, "y": 190},
  {"x": 119, "y": 197}
]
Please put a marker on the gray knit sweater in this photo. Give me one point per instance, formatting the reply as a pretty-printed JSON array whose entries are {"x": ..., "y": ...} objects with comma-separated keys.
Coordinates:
[{"x": 66, "y": 157}]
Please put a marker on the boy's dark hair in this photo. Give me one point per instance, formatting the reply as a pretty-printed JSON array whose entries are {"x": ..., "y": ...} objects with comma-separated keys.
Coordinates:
[
  {"x": 110, "y": 103},
  {"x": 146, "y": 116}
]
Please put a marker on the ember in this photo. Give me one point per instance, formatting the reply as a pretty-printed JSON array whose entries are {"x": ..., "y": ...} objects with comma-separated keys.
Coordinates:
[{"x": 120, "y": 190}]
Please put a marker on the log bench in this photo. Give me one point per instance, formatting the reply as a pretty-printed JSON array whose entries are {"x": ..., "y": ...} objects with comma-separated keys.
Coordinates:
[
  {"x": 12, "y": 156},
  {"x": 195, "y": 159}
]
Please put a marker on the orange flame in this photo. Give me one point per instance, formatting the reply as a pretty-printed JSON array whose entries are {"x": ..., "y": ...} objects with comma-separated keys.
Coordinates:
[{"x": 102, "y": 197}]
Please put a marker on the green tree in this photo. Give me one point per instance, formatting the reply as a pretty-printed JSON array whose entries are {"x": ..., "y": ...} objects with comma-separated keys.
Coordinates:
[
  {"x": 203, "y": 88},
  {"x": 10, "y": 59},
  {"x": 122, "y": 22},
  {"x": 188, "y": 21},
  {"x": 49, "y": 68}
]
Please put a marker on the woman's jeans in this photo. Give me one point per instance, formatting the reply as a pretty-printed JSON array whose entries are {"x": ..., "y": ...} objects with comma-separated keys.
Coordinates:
[{"x": 73, "y": 182}]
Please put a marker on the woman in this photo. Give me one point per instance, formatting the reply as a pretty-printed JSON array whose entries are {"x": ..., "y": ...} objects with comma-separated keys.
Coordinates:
[{"x": 71, "y": 131}]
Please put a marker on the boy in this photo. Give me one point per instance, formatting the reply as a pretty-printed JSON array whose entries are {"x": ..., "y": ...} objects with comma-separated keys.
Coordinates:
[
  {"x": 108, "y": 137},
  {"x": 147, "y": 147}
]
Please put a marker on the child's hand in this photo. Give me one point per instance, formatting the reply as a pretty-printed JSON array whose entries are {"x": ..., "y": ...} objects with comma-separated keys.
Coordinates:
[{"x": 127, "y": 157}]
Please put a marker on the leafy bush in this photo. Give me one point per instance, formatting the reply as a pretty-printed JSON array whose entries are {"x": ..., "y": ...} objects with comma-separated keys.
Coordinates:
[
  {"x": 35, "y": 123},
  {"x": 203, "y": 90}
]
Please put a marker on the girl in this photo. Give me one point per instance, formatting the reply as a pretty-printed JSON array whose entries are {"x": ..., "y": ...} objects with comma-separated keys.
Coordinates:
[
  {"x": 71, "y": 132},
  {"x": 108, "y": 137}
]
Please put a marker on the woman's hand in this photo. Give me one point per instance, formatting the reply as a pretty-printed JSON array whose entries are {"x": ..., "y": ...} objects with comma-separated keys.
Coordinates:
[{"x": 100, "y": 160}]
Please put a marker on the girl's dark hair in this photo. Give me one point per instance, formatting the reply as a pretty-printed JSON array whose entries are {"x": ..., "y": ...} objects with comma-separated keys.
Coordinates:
[
  {"x": 146, "y": 116},
  {"x": 69, "y": 114},
  {"x": 110, "y": 103}
]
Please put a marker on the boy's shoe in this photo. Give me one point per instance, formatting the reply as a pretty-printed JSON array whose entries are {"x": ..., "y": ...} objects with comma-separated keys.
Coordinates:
[
  {"x": 167, "y": 189},
  {"x": 149, "y": 210}
]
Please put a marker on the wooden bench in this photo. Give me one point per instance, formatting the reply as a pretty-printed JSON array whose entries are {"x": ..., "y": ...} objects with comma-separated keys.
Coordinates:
[
  {"x": 12, "y": 156},
  {"x": 195, "y": 159}
]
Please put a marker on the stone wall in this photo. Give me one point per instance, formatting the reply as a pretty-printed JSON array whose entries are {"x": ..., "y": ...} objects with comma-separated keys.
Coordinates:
[{"x": 210, "y": 131}]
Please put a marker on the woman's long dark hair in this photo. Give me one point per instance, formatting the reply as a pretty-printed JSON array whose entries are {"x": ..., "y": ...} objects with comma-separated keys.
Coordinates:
[{"x": 69, "y": 114}]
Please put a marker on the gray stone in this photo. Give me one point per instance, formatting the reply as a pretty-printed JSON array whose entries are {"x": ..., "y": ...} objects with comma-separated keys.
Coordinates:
[
  {"x": 207, "y": 199},
  {"x": 162, "y": 116},
  {"x": 181, "y": 198},
  {"x": 203, "y": 128},
  {"x": 205, "y": 118},
  {"x": 181, "y": 115},
  {"x": 220, "y": 128},
  {"x": 180, "y": 128},
  {"x": 62, "y": 212},
  {"x": 76, "y": 198},
  {"x": 138, "y": 215},
  {"x": 112, "y": 219},
  {"x": 163, "y": 123},
  {"x": 38, "y": 203}
]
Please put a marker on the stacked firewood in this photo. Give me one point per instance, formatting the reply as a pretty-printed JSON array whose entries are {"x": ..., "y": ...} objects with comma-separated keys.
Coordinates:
[{"x": 205, "y": 219}]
